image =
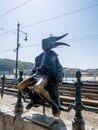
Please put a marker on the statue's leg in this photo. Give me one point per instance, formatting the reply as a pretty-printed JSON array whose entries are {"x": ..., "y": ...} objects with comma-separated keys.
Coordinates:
[
  {"x": 25, "y": 83},
  {"x": 54, "y": 93},
  {"x": 23, "y": 86},
  {"x": 32, "y": 98},
  {"x": 40, "y": 90}
]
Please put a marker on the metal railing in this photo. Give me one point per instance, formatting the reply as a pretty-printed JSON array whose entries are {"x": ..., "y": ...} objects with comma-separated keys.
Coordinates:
[{"x": 70, "y": 94}]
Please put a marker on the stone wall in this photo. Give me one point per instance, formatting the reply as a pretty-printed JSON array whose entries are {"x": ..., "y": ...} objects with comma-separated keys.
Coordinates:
[{"x": 8, "y": 121}]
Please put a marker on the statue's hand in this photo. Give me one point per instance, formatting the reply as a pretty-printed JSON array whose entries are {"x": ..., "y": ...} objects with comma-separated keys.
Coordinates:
[
  {"x": 41, "y": 70},
  {"x": 59, "y": 83}
]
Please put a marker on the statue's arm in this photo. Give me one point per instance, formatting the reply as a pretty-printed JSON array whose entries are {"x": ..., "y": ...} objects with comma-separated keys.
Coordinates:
[{"x": 60, "y": 73}]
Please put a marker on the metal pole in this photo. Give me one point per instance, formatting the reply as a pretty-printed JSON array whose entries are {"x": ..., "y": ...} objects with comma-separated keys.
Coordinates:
[
  {"x": 3, "y": 81},
  {"x": 17, "y": 48},
  {"x": 19, "y": 105},
  {"x": 78, "y": 122}
]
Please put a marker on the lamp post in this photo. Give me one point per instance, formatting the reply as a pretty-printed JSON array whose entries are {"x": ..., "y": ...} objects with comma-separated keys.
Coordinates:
[{"x": 18, "y": 45}]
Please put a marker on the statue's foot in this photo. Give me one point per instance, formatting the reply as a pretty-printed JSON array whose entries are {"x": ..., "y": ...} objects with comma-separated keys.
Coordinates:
[
  {"x": 30, "y": 104},
  {"x": 55, "y": 110}
]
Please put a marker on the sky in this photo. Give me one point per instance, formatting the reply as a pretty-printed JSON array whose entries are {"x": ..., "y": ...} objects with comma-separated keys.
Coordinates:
[{"x": 39, "y": 19}]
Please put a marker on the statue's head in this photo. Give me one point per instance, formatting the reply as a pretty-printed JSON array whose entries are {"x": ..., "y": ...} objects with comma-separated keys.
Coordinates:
[
  {"x": 50, "y": 42},
  {"x": 21, "y": 73}
]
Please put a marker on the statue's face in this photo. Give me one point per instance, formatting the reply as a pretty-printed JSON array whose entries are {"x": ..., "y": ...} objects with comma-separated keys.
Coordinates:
[{"x": 45, "y": 46}]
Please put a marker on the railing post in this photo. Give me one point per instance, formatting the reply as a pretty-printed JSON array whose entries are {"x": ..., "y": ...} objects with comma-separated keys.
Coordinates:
[
  {"x": 19, "y": 105},
  {"x": 78, "y": 122},
  {"x": 3, "y": 81}
]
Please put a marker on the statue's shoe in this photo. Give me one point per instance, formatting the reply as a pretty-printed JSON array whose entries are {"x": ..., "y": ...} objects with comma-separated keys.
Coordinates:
[
  {"x": 55, "y": 110},
  {"x": 30, "y": 104}
]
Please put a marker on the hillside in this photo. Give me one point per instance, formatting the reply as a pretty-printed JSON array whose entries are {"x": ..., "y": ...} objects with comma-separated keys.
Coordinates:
[{"x": 8, "y": 66}]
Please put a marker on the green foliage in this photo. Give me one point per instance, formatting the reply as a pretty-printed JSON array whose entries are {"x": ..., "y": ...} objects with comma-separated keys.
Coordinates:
[{"x": 8, "y": 66}]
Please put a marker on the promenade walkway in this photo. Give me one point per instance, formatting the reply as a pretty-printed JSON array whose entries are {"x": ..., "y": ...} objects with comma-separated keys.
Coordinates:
[{"x": 91, "y": 119}]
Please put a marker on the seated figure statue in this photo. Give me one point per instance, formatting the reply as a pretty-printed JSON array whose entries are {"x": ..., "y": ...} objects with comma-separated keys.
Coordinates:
[{"x": 48, "y": 73}]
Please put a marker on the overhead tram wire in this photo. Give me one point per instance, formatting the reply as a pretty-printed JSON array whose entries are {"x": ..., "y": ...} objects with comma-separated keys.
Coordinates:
[
  {"x": 69, "y": 40},
  {"x": 62, "y": 15},
  {"x": 6, "y": 50},
  {"x": 83, "y": 38},
  {"x": 20, "y": 47},
  {"x": 52, "y": 18},
  {"x": 15, "y": 8}
]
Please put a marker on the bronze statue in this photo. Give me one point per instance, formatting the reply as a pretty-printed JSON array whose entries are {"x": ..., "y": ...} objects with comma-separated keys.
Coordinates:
[{"x": 48, "y": 75}]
